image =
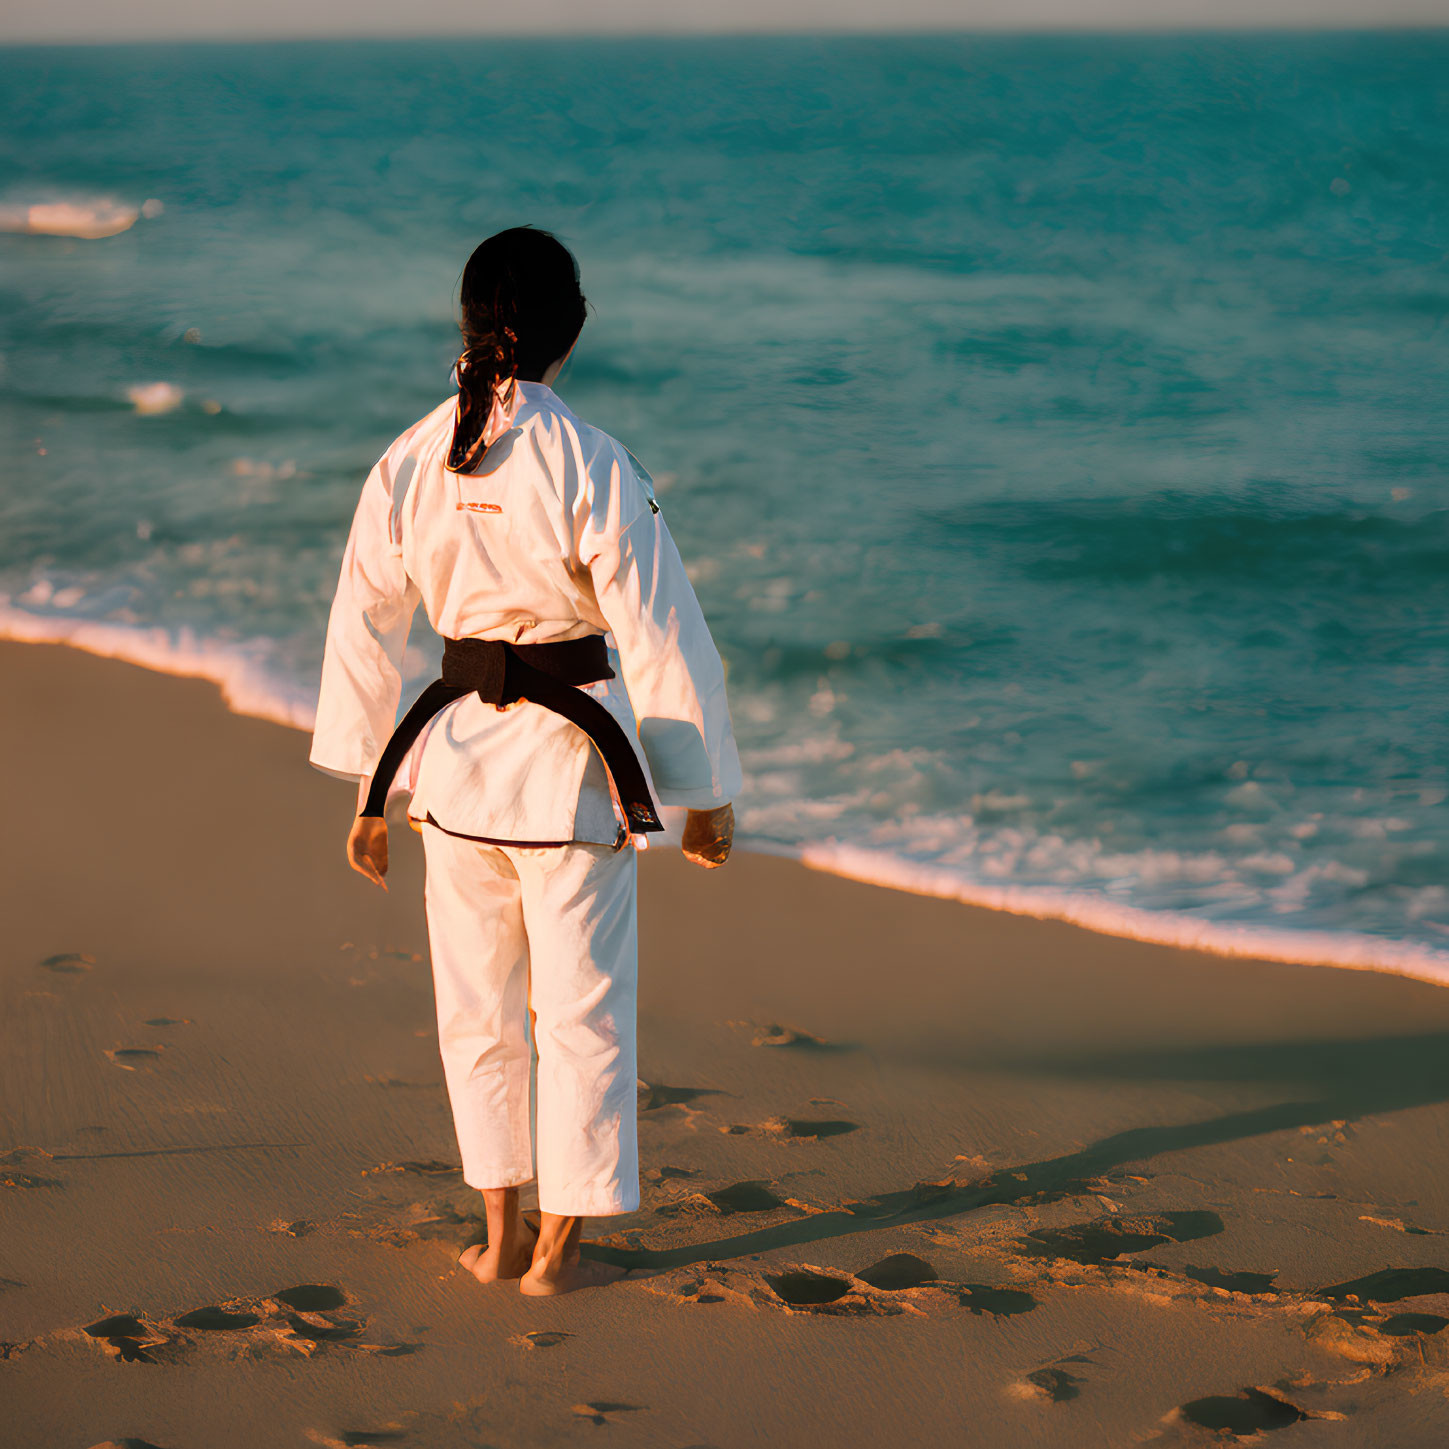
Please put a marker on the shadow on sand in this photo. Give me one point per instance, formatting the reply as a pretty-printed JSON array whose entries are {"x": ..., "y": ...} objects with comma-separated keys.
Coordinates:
[{"x": 1340, "y": 1079}]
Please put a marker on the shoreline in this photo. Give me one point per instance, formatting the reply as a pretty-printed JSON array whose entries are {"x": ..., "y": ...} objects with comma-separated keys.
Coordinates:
[
  {"x": 249, "y": 692},
  {"x": 986, "y": 1170}
]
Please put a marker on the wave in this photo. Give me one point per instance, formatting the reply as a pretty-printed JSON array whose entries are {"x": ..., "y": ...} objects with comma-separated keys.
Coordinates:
[
  {"x": 1347, "y": 950},
  {"x": 240, "y": 670},
  {"x": 87, "y": 217},
  {"x": 250, "y": 687},
  {"x": 151, "y": 398}
]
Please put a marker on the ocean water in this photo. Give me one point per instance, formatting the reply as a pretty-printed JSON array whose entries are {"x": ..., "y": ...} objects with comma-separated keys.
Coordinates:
[{"x": 1054, "y": 426}]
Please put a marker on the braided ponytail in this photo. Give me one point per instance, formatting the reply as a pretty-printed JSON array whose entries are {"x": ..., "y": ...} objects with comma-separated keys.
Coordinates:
[{"x": 522, "y": 309}]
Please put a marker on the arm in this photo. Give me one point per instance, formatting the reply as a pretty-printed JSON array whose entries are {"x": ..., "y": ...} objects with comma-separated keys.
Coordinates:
[
  {"x": 671, "y": 667},
  {"x": 367, "y": 632}
]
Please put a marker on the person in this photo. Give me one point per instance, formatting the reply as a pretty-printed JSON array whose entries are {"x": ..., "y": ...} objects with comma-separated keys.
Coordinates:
[{"x": 580, "y": 686}]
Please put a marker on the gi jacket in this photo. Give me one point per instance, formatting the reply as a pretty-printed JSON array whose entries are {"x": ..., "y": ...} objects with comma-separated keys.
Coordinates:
[{"x": 555, "y": 535}]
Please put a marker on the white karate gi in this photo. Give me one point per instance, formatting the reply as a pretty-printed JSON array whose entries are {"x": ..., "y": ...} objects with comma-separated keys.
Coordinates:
[{"x": 530, "y": 900}]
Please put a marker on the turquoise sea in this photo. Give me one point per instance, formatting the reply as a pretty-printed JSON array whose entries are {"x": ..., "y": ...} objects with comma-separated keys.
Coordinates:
[{"x": 1055, "y": 426}]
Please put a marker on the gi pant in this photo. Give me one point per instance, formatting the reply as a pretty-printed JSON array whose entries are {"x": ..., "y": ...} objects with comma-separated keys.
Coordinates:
[{"x": 554, "y": 929}]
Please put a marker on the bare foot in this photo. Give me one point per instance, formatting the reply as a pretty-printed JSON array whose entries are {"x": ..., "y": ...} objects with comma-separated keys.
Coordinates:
[
  {"x": 539, "y": 1282},
  {"x": 488, "y": 1263}
]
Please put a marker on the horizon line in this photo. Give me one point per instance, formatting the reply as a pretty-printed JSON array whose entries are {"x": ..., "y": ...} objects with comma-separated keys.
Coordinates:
[{"x": 623, "y": 32}]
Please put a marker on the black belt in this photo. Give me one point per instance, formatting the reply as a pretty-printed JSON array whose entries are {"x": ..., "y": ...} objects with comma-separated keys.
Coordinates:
[{"x": 502, "y": 673}]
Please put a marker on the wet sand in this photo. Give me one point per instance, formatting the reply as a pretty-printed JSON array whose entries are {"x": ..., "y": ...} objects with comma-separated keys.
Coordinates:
[{"x": 914, "y": 1172}]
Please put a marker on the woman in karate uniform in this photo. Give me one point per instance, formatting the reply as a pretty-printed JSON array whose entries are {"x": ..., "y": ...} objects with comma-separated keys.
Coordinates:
[{"x": 580, "y": 686}]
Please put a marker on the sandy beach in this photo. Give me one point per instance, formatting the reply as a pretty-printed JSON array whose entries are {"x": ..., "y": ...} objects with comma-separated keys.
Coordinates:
[{"x": 914, "y": 1172}]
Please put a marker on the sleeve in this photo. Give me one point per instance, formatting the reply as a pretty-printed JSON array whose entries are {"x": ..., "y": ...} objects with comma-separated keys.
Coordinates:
[
  {"x": 367, "y": 631},
  {"x": 672, "y": 670}
]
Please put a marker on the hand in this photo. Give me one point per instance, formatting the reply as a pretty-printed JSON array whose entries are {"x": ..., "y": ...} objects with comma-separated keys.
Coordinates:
[
  {"x": 708, "y": 835},
  {"x": 367, "y": 848}
]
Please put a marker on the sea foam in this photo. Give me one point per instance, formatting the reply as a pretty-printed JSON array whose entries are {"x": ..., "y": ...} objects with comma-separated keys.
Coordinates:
[
  {"x": 249, "y": 688},
  {"x": 1351, "y": 951},
  {"x": 89, "y": 218}
]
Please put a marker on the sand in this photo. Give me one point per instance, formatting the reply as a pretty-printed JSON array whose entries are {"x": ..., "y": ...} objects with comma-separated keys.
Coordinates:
[{"x": 914, "y": 1172}]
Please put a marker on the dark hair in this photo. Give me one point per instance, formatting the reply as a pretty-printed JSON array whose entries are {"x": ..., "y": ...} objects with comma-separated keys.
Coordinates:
[{"x": 521, "y": 310}]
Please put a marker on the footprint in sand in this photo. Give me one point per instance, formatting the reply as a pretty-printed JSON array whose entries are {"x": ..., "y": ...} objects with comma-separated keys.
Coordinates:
[
  {"x": 799, "y": 1287},
  {"x": 1232, "y": 1282},
  {"x": 298, "y": 1228},
  {"x": 430, "y": 1167},
  {"x": 739, "y": 1197},
  {"x": 653, "y": 1096},
  {"x": 130, "y": 1058},
  {"x": 999, "y": 1302},
  {"x": 168, "y": 1021},
  {"x": 792, "y": 1128},
  {"x": 1402, "y": 1325},
  {"x": 309, "y": 1311},
  {"x": 69, "y": 962},
  {"x": 802, "y": 1289},
  {"x": 599, "y": 1410},
  {"x": 696, "y": 1204},
  {"x": 700, "y": 1290},
  {"x": 897, "y": 1272},
  {"x": 745, "y": 1197},
  {"x": 1250, "y": 1413},
  {"x": 356, "y": 1438},
  {"x": 1054, "y": 1384},
  {"x": 311, "y": 1297},
  {"x": 775, "y": 1034},
  {"x": 217, "y": 1318},
  {"x": 806, "y": 1127},
  {"x": 1391, "y": 1285},
  {"x": 818, "y": 1290},
  {"x": 127, "y": 1337},
  {"x": 542, "y": 1338},
  {"x": 667, "y": 1173},
  {"x": 118, "y": 1324},
  {"x": 300, "y": 1319},
  {"x": 1107, "y": 1238},
  {"x": 314, "y": 1322}
]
